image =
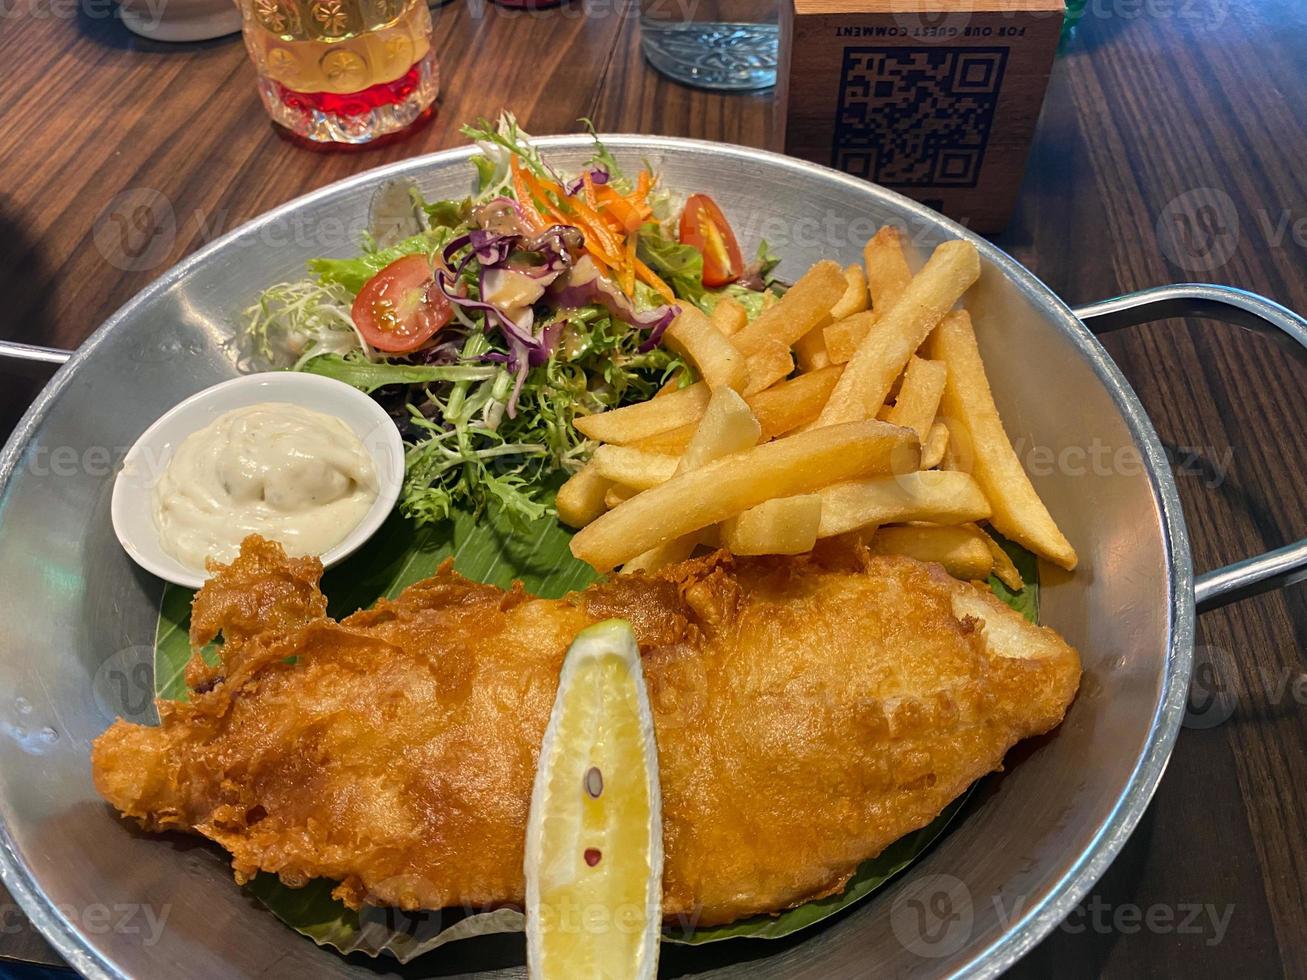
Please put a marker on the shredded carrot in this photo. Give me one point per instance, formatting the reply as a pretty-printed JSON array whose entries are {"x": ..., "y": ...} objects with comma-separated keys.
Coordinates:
[
  {"x": 628, "y": 272},
  {"x": 523, "y": 190},
  {"x": 599, "y": 240},
  {"x": 592, "y": 218},
  {"x": 648, "y": 276},
  {"x": 610, "y": 222},
  {"x": 628, "y": 213}
]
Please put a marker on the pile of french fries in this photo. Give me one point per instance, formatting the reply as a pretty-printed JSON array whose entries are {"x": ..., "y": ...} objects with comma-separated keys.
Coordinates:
[{"x": 853, "y": 410}]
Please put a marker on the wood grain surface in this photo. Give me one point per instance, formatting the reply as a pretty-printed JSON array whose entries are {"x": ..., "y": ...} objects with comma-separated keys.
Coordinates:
[{"x": 1170, "y": 149}]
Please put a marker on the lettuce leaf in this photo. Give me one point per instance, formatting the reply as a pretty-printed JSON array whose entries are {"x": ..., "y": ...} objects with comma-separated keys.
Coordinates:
[
  {"x": 353, "y": 273},
  {"x": 448, "y": 214},
  {"x": 680, "y": 266},
  {"x": 368, "y": 376}
]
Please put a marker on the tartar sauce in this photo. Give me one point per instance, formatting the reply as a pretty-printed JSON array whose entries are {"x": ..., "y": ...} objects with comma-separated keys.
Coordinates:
[{"x": 285, "y": 472}]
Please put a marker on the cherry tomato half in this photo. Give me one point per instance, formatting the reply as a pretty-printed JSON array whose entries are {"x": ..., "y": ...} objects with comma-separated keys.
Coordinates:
[
  {"x": 705, "y": 227},
  {"x": 401, "y": 307}
]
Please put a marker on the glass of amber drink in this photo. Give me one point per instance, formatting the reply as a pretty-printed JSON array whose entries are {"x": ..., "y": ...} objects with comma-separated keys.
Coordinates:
[{"x": 342, "y": 71}]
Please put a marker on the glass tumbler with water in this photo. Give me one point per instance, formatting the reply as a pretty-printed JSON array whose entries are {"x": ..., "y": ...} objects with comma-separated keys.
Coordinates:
[{"x": 719, "y": 44}]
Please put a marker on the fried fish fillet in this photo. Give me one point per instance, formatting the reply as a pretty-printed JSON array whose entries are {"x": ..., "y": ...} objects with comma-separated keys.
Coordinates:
[{"x": 806, "y": 717}]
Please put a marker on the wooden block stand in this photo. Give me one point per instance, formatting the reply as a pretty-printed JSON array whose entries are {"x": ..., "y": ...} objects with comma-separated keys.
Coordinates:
[{"x": 936, "y": 100}]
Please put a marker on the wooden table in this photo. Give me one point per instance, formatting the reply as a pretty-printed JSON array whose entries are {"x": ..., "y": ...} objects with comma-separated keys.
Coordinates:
[{"x": 1151, "y": 100}]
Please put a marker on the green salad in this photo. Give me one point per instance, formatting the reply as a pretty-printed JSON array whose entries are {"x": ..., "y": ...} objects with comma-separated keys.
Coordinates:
[{"x": 487, "y": 325}]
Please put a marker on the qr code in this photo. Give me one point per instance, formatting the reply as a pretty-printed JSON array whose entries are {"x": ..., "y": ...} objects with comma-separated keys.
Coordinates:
[{"x": 917, "y": 117}]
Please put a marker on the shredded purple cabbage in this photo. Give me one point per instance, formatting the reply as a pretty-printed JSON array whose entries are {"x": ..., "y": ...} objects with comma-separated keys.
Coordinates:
[
  {"x": 598, "y": 175},
  {"x": 543, "y": 257},
  {"x": 595, "y": 290}
]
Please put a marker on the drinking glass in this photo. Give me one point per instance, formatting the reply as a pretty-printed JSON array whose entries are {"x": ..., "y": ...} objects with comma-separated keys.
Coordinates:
[
  {"x": 718, "y": 44},
  {"x": 342, "y": 71}
]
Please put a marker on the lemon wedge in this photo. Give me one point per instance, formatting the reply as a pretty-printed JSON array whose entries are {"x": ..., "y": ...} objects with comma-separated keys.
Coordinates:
[{"x": 594, "y": 840}]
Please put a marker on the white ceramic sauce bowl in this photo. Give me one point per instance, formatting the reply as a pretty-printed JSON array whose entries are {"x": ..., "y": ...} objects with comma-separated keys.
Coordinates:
[{"x": 132, "y": 505}]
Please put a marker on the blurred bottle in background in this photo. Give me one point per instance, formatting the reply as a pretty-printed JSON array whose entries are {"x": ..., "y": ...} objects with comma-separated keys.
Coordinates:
[
  {"x": 718, "y": 44},
  {"x": 342, "y": 71}
]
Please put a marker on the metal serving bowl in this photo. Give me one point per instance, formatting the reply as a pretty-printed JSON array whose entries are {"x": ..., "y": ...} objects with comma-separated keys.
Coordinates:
[{"x": 77, "y": 618}]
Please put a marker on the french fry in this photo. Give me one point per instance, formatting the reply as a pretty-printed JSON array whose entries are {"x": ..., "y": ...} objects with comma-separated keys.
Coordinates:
[
  {"x": 810, "y": 349},
  {"x": 855, "y": 299},
  {"x": 667, "y": 553},
  {"x": 935, "y": 446},
  {"x": 729, "y": 317},
  {"x": 843, "y": 336},
  {"x": 670, "y": 443},
  {"x": 932, "y": 495},
  {"x": 693, "y": 336},
  {"x": 780, "y": 409},
  {"x": 918, "y": 398},
  {"x": 962, "y": 550},
  {"x": 954, "y": 458},
  {"x": 1004, "y": 567},
  {"x": 634, "y": 468},
  {"x": 581, "y": 499},
  {"x": 768, "y": 365},
  {"x": 631, "y": 423},
  {"x": 884, "y": 352},
  {"x": 801, "y": 308},
  {"x": 782, "y": 526},
  {"x": 887, "y": 269},
  {"x": 670, "y": 385},
  {"x": 785, "y": 406},
  {"x": 617, "y": 494},
  {"x": 718, "y": 491},
  {"x": 968, "y": 404},
  {"x": 728, "y": 426}
]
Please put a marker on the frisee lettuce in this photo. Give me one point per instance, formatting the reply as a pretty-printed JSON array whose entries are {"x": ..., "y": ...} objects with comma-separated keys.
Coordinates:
[
  {"x": 499, "y": 141},
  {"x": 294, "y": 322}
]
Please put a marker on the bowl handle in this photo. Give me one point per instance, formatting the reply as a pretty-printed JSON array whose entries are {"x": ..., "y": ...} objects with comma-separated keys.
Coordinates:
[
  {"x": 31, "y": 354},
  {"x": 1274, "y": 569}
]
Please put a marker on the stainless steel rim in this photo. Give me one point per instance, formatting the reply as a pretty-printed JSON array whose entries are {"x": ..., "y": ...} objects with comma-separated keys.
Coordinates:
[{"x": 1042, "y": 917}]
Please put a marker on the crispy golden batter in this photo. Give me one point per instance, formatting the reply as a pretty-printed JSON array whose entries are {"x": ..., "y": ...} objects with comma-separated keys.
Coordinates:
[{"x": 806, "y": 717}]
